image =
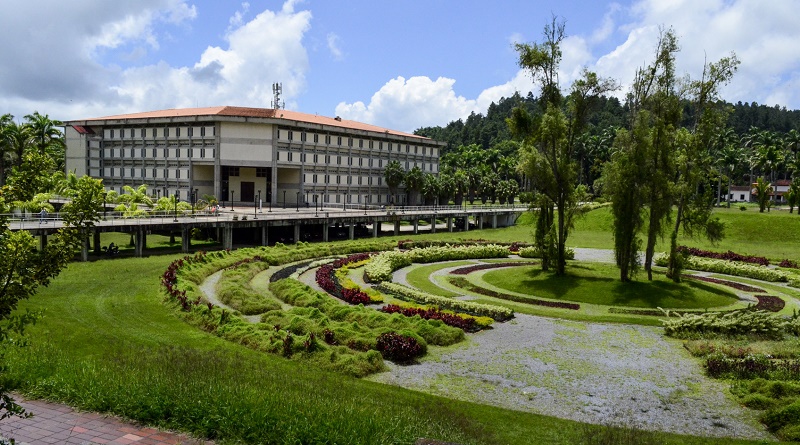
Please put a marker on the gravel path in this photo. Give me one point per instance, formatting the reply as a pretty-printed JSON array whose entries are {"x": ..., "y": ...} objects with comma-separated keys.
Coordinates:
[{"x": 589, "y": 372}]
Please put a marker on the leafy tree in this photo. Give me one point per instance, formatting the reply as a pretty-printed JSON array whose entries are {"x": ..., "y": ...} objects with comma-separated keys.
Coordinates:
[
  {"x": 394, "y": 176},
  {"x": 431, "y": 188},
  {"x": 447, "y": 188},
  {"x": 793, "y": 195},
  {"x": 763, "y": 191},
  {"x": 413, "y": 183},
  {"x": 549, "y": 141},
  {"x": 47, "y": 136},
  {"x": 32, "y": 176}
]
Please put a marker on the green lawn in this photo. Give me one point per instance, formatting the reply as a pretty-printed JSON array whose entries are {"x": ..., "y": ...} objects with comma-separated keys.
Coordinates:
[
  {"x": 419, "y": 277},
  {"x": 598, "y": 283}
]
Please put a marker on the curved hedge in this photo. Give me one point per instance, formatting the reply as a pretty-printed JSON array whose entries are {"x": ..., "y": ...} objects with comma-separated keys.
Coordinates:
[{"x": 382, "y": 266}]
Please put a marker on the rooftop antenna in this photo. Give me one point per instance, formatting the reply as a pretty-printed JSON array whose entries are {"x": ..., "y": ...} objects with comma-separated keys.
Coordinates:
[{"x": 277, "y": 103}]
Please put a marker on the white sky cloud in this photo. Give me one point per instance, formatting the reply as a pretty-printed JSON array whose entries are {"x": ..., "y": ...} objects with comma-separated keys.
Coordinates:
[{"x": 333, "y": 46}]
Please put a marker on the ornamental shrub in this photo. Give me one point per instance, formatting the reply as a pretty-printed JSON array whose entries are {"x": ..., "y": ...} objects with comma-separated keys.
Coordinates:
[
  {"x": 735, "y": 323},
  {"x": 382, "y": 265},
  {"x": 398, "y": 348},
  {"x": 533, "y": 252},
  {"x": 729, "y": 268},
  {"x": 405, "y": 293}
]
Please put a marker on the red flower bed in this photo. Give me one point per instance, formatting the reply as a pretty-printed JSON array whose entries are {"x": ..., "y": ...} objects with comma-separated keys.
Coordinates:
[
  {"x": 729, "y": 255},
  {"x": 733, "y": 284},
  {"x": 789, "y": 263},
  {"x": 466, "y": 324},
  {"x": 326, "y": 279},
  {"x": 769, "y": 303},
  {"x": 398, "y": 348},
  {"x": 469, "y": 269},
  {"x": 464, "y": 284}
]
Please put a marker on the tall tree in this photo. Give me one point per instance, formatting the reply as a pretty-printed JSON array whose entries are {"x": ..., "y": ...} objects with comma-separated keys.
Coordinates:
[
  {"x": 47, "y": 136},
  {"x": 549, "y": 141},
  {"x": 413, "y": 183},
  {"x": 394, "y": 175}
]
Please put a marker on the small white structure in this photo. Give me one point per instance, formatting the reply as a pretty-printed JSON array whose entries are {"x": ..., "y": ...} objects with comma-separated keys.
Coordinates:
[{"x": 739, "y": 193}]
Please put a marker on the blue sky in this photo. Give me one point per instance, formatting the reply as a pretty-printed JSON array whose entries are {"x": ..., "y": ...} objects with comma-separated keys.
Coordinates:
[{"x": 401, "y": 65}]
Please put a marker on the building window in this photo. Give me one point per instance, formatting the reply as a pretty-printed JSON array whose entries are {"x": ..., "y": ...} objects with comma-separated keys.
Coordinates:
[
  {"x": 390, "y": 146},
  {"x": 316, "y": 158},
  {"x": 290, "y": 156},
  {"x": 328, "y": 139},
  {"x": 408, "y": 148},
  {"x": 349, "y": 142},
  {"x": 380, "y": 145},
  {"x": 303, "y": 136},
  {"x": 338, "y": 179},
  {"x": 349, "y": 160},
  {"x": 190, "y": 132},
  {"x": 315, "y": 179},
  {"x": 339, "y": 141},
  {"x": 338, "y": 160},
  {"x": 416, "y": 149},
  {"x": 178, "y": 132},
  {"x": 303, "y": 157},
  {"x": 233, "y": 171},
  {"x": 316, "y": 138},
  {"x": 261, "y": 172},
  {"x": 327, "y": 159}
]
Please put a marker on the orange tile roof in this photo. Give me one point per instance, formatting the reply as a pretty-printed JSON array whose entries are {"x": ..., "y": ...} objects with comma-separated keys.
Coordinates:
[{"x": 268, "y": 113}]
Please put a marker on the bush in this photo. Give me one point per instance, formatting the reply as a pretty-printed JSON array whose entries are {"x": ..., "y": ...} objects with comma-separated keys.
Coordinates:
[
  {"x": 533, "y": 252},
  {"x": 405, "y": 293},
  {"x": 384, "y": 264},
  {"x": 398, "y": 348},
  {"x": 735, "y": 323},
  {"x": 729, "y": 268},
  {"x": 729, "y": 255}
]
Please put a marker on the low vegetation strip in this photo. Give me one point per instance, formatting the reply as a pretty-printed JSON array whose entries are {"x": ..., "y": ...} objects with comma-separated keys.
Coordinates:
[
  {"x": 463, "y": 283},
  {"x": 381, "y": 267},
  {"x": 767, "y": 303},
  {"x": 405, "y": 293},
  {"x": 469, "y": 269},
  {"x": 729, "y": 268},
  {"x": 728, "y": 256},
  {"x": 733, "y": 284}
]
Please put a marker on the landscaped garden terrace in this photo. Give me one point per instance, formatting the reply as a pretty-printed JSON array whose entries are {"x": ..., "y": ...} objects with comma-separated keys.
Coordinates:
[{"x": 339, "y": 309}]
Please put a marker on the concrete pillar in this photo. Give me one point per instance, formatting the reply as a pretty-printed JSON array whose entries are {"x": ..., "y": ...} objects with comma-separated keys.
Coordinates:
[
  {"x": 139, "y": 242},
  {"x": 494, "y": 220},
  {"x": 325, "y": 231},
  {"x": 186, "y": 238},
  {"x": 296, "y": 233},
  {"x": 96, "y": 240},
  {"x": 416, "y": 226},
  {"x": 433, "y": 224},
  {"x": 376, "y": 227},
  {"x": 85, "y": 249},
  {"x": 397, "y": 228},
  {"x": 264, "y": 236},
  {"x": 449, "y": 223},
  {"x": 227, "y": 237},
  {"x": 480, "y": 221},
  {"x": 42, "y": 241},
  {"x": 351, "y": 231},
  {"x": 466, "y": 223}
]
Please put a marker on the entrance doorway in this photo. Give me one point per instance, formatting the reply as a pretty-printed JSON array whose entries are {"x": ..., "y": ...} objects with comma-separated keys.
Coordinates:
[{"x": 248, "y": 191}]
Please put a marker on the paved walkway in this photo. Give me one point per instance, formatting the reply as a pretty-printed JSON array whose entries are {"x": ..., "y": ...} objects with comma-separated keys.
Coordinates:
[{"x": 59, "y": 424}]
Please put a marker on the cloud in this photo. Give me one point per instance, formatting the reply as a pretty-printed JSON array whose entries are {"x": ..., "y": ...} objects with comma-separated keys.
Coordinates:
[
  {"x": 409, "y": 104},
  {"x": 61, "y": 65},
  {"x": 333, "y": 46}
]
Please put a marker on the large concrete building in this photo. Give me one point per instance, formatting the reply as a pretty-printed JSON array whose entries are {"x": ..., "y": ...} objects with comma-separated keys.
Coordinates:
[{"x": 238, "y": 154}]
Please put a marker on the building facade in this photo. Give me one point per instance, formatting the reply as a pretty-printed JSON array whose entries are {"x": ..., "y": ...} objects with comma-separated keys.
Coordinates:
[{"x": 245, "y": 154}]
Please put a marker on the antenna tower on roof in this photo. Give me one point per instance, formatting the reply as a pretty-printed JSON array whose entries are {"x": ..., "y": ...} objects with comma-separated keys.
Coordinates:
[{"x": 277, "y": 103}]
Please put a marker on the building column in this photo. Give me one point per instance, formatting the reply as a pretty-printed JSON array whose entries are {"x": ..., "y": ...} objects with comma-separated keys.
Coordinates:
[
  {"x": 96, "y": 236},
  {"x": 264, "y": 235},
  {"x": 397, "y": 228},
  {"x": 466, "y": 223},
  {"x": 325, "y": 231},
  {"x": 433, "y": 224},
  {"x": 416, "y": 226},
  {"x": 42, "y": 241},
  {"x": 494, "y": 220},
  {"x": 375, "y": 227},
  {"x": 227, "y": 236},
  {"x": 480, "y": 221},
  {"x": 186, "y": 238},
  {"x": 139, "y": 242},
  {"x": 449, "y": 223},
  {"x": 296, "y": 233},
  {"x": 351, "y": 231}
]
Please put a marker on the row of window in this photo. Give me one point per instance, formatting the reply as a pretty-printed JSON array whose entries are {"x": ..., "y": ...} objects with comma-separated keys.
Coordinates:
[
  {"x": 349, "y": 141},
  {"x": 288, "y": 156},
  {"x": 144, "y": 173},
  {"x": 158, "y": 132},
  {"x": 158, "y": 153},
  {"x": 319, "y": 178}
]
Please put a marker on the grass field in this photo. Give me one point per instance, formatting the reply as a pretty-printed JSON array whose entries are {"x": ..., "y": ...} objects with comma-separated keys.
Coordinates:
[
  {"x": 597, "y": 283},
  {"x": 107, "y": 343}
]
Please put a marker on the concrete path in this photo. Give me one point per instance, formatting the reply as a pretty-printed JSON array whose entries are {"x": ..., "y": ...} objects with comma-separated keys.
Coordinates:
[{"x": 59, "y": 424}]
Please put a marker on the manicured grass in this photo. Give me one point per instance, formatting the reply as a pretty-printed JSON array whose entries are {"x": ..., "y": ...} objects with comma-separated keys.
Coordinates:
[
  {"x": 419, "y": 277},
  {"x": 598, "y": 283},
  {"x": 107, "y": 343}
]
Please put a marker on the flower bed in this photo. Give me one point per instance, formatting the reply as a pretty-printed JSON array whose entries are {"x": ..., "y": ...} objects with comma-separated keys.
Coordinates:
[
  {"x": 399, "y": 348},
  {"x": 767, "y": 303},
  {"x": 729, "y": 268},
  {"x": 382, "y": 265},
  {"x": 789, "y": 263},
  {"x": 463, "y": 283},
  {"x": 734, "y": 323},
  {"x": 405, "y": 293},
  {"x": 326, "y": 278},
  {"x": 728, "y": 256},
  {"x": 465, "y": 324},
  {"x": 733, "y": 284},
  {"x": 469, "y": 269}
]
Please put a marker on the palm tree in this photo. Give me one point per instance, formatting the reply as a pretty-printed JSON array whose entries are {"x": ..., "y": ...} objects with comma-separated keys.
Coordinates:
[
  {"x": 767, "y": 156},
  {"x": 729, "y": 156},
  {"x": 47, "y": 137},
  {"x": 6, "y": 150},
  {"x": 413, "y": 182},
  {"x": 763, "y": 191},
  {"x": 394, "y": 175},
  {"x": 18, "y": 139},
  {"x": 431, "y": 188}
]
